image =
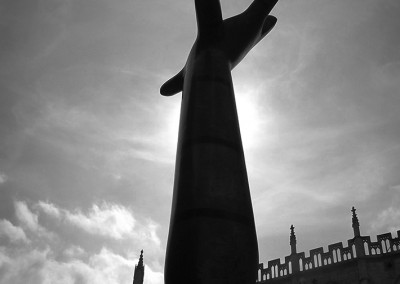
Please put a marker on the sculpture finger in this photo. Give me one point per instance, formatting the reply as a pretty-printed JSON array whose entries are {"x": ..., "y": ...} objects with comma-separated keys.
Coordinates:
[
  {"x": 269, "y": 24},
  {"x": 262, "y": 6},
  {"x": 173, "y": 85},
  {"x": 208, "y": 14}
]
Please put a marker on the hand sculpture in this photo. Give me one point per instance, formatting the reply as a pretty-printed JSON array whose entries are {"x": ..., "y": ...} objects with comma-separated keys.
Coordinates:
[
  {"x": 233, "y": 37},
  {"x": 212, "y": 237}
]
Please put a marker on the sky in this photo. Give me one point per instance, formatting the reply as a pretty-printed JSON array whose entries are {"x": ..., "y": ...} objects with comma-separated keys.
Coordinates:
[{"x": 87, "y": 144}]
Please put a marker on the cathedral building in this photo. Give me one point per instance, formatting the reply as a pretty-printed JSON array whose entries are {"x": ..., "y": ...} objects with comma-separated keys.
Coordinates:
[{"x": 362, "y": 261}]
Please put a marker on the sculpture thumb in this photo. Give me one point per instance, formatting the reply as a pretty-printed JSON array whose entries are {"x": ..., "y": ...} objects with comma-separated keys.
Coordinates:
[{"x": 173, "y": 85}]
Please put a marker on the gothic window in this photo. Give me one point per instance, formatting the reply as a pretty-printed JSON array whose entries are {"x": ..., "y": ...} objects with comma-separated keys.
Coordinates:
[
  {"x": 383, "y": 246},
  {"x": 334, "y": 256},
  {"x": 366, "y": 248},
  {"x": 353, "y": 248},
  {"x": 339, "y": 257},
  {"x": 388, "y": 248},
  {"x": 315, "y": 261}
]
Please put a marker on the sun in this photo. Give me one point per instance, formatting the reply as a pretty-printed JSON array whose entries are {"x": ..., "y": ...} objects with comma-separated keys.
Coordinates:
[{"x": 251, "y": 118}]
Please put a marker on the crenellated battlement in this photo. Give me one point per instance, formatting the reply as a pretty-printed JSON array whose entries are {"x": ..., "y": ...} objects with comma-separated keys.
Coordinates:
[{"x": 357, "y": 248}]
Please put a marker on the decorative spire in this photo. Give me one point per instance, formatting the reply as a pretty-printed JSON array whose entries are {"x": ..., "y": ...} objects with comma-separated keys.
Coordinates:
[
  {"x": 355, "y": 223},
  {"x": 292, "y": 240},
  {"x": 138, "y": 275},
  {"x": 140, "y": 264}
]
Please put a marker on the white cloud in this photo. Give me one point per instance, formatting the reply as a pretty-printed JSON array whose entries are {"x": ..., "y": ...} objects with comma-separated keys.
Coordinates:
[
  {"x": 58, "y": 261},
  {"x": 29, "y": 219},
  {"x": 14, "y": 233},
  {"x": 3, "y": 178},
  {"x": 74, "y": 251},
  {"x": 385, "y": 220},
  {"x": 49, "y": 209},
  {"x": 26, "y": 216},
  {"x": 107, "y": 220},
  {"x": 39, "y": 266}
]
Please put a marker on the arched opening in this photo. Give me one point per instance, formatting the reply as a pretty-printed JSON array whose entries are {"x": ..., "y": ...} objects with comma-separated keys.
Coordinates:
[
  {"x": 301, "y": 264},
  {"x": 339, "y": 255},
  {"x": 388, "y": 246},
  {"x": 353, "y": 249},
  {"x": 366, "y": 248},
  {"x": 383, "y": 244},
  {"x": 290, "y": 267}
]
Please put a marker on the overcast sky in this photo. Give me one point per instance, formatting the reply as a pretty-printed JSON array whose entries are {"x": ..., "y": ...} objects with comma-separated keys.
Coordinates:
[{"x": 87, "y": 144}]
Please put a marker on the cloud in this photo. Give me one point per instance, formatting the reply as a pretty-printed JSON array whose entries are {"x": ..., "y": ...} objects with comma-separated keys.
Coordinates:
[
  {"x": 59, "y": 260},
  {"x": 3, "y": 178},
  {"x": 74, "y": 252},
  {"x": 26, "y": 216},
  {"x": 40, "y": 266},
  {"x": 29, "y": 219},
  {"x": 108, "y": 220},
  {"x": 13, "y": 233},
  {"x": 49, "y": 208},
  {"x": 385, "y": 220},
  {"x": 396, "y": 187}
]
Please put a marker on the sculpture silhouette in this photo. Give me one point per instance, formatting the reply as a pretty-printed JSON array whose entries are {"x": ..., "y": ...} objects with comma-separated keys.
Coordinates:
[{"x": 212, "y": 237}]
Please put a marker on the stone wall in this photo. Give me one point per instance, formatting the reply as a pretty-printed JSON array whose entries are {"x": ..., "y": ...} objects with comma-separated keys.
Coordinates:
[{"x": 361, "y": 261}]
